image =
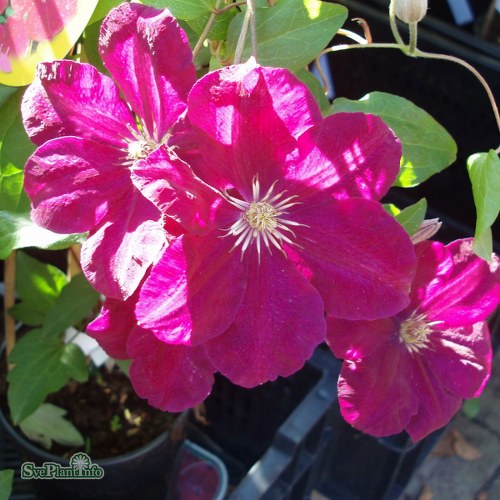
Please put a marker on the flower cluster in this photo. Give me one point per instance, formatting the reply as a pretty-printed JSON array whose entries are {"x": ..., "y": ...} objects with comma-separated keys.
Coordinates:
[{"x": 233, "y": 229}]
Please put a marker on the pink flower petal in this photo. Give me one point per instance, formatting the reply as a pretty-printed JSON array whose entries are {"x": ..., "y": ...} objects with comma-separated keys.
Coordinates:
[
  {"x": 376, "y": 394},
  {"x": 470, "y": 293},
  {"x": 348, "y": 154},
  {"x": 171, "y": 377},
  {"x": 14, "y": 40},
  {"x": 119, "y": 251},
  {"x": 355, "y": 340},
  {"x": 113, "y": 326},
  {"x": 149, "y": 56},
  {"x": 460, "y": 358},
  {"x": 277, "y": 328},
  {"x": 360, "y": 259},
  {"x": 248, "y": 118},
  {"x": 69, "y": 98},
  {"x": 71, "y": 183},
  {"x": 194, "y": 291},
  {"x": 172, "y": 186}
]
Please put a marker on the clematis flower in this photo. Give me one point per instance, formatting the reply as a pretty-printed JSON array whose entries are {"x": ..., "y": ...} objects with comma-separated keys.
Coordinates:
[
  {"x": 170, "y": 377},
  {"x": 78, "y": 179},
  {"x": 412, "y": 371},
  {"x": 280, "y": 224}
]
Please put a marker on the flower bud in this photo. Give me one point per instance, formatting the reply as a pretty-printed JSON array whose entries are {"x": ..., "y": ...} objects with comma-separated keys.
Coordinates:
[{"x": 410, "y": 11}]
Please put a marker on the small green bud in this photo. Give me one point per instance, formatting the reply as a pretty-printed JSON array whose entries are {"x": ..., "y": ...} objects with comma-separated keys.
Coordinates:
[{"x": 410, "y": 11}]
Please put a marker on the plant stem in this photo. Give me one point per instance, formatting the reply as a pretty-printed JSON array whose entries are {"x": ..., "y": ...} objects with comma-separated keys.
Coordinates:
[
  {"x": 413, "y": 38},
  {"x": 229, "y": 7},
  {"x": 474, "y": 71},
  {"x": 206, "y": 31},
  {"x": 243, "y": 35},
  {"x": 253, "y": 27},
  {"x": 9, "y": 301},
  {"x": 393, "y": 23},
  {"x": 353, "y": 36}
]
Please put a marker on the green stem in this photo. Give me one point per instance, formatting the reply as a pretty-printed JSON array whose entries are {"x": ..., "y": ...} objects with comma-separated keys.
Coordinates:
[
  {"x": 243, "y": 35},
  {"x": 413, "y": 38},
  {"x": 393, "y": 23},
  {"x": 474, "y": 71},
  {"x": 253, "y": 27},
  {"x": 206, "y": 31}
]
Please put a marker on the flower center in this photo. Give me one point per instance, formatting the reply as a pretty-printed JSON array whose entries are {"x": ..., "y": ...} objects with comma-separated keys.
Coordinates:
[
  {"x": 414, "y": 332},
  {"x": 140, "y": 149},
  {"x": 261, "y": 220}
]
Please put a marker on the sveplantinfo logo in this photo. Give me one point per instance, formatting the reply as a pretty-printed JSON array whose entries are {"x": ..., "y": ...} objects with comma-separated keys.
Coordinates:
[{"x": 80, "y": 467}]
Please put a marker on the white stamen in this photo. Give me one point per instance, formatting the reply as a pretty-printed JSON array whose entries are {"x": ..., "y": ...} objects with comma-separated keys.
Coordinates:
[{"x": 261, "y": 220}]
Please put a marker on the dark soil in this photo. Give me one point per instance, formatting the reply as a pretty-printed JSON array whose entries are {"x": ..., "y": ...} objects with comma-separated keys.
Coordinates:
[{"x": 108, "y": 413}]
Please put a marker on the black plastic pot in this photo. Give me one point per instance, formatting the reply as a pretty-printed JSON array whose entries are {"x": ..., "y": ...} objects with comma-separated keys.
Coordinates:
[{"x": 142, "y": 474}]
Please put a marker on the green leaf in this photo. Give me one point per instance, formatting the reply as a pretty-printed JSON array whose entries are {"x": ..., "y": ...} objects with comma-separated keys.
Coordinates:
[
  {"x": 15, "y": 148},
  {"x": 40, "y": 368},
  {"x": 6, "y": 481},
  {"x": 220, "y": 27},
  {"x": 38, "y": 286},
  {"x": 412, "y": 217},
  {"x": 48, "y": 424},
  {"x": 484, "y": 173},
  {"x": 74, "y": 304},
  {"x": 471, "y": 407},
  {"x": 18, "y": 231},
  {"x": 292, "y": 33},
  {"x": 102, "y": 10},
  {"x": 75, "y": 362},
  {"x": 314, "y": 86},
  {"x": 427, "y": 146},
  {"x": 391, "y": 209},
  {"x": 184, "y": 9},
  {"x": 91, "y": 46}
]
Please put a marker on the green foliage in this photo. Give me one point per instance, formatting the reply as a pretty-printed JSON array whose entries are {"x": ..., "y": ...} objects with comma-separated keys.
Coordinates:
[
  {"x": 471, "y": 407},
  {"x": 427, "y": 146},
  {"x": 102, "y": 9},
  {"x": 315, "y": 87},
  {"x": 42, "y": 365},
  {"x": 484, "y": 173},
  {"x": 48, "y": 424},
  {"x": 18, "y": 231},
  {"x": 220, "y": 27},
  {"x": 38, "y": 286},
  {"x": 184, "y": 9},
  {"x": 15, "y": 148},
  {"x": 75, "y": 303},
  {"x": 292, "y": 33},
  {"x": 6, "y": 480},
  {"x": 412, "y": 217}
]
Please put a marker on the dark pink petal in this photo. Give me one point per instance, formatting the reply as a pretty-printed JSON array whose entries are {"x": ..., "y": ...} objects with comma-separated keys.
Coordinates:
[
  {"x": 72, "y": 182},
  {"x": 436, "y": 405},
  {"x": 360, "y": 259},
  {"x": 171, "y": 377},
  {"x": 355, "y": 340},
  {"x": 119, "y": 251},
  {"x": 470, "y": 293},
  {"x": 70, "y": 98},
  {"x": 376, "y": 393},
  {"x": 248, "y": 118},
  {"x": 348, "y": 154},
  {"x": 149, "y": 56},
  {"x": 277, "y": 328},
  {"x": 195, "y": 290},
  {"x": 172, "y": 186},
  {"x": 460, "y": 359},
  {"x": 113, "y": 326}
]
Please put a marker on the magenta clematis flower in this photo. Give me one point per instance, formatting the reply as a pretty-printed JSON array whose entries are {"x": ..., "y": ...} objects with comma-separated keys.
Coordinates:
[
  {"x": 170, "y": 377},
  {"x": 411, "y": 371},
  {"x": 280, "y": 225},
  {"x": 78, "y": 179}
]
